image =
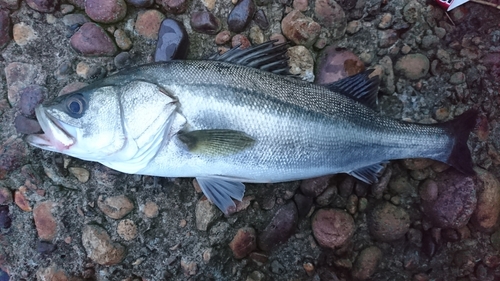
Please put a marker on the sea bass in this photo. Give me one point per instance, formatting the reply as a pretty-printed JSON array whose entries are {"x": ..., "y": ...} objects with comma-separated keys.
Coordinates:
[{"x": 236, "y": 119}]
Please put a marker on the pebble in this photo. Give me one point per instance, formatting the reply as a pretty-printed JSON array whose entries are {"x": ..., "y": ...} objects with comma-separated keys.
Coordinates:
[
  {"x": 387, "y": 38},
  {"x": 412, "y": 11},
  {"x": 243, "y": 243},
  {"x": 150, "y": 210},
  {"x": 223, "y": 37},
  {"x": 127, "y": 229},
  {"x": 459, "y": 14},
  {"x": 300, "y": 5},
  {"x": 21, "y": 200},
  {"x": 331, "y": 15},
  {"x": 122, "y": 40},
  {"x": 5, "y": 219},
  {"x": 140, "y": 3},
  {"x": 205, "y": 22},
  {"x": 206, "y": 214},
  {"x": 99, "y": 246},
  {"x": 45, "y": 247},
  {"x": 45, "y": 222},
  {"x": 66, "y": 9},
  {"x": 385, "y": 21},
  {"x": 74, "y": 20},
  {"x": 413, "y": 66},
  {"x": 13, "y": 155},
  {"x": 106, "y": 11},
  {"x": 366, "y": 263},
  {"x": 241, "y": 15},
  {"x": 428, "y": 190},
  {"x": 209, "y": 4},
  {"x": 92, "y": 40},
  {"x": 455, "y": 203},
  {"x": 189, "y": 267},
  {"x": 429, "y": 42},
  {"x": 173, "y": 41},
  {"x": 44, "y": 6},
  {"x": 315, "y": 186},
  {"x": 352, "y": 204},
  {"x": 4, "y": 28},
  {"x": 303, "y": 203},
  {"x": 79, "y": 173},
  {"x": 78, "y": 3},
  {"x": 261, "y": 20},
  {"x": 115, "y": 207},
  {"x": 122, "y": 60},
  {"x": 257, "y": 36},
  {"x": 5, "y": 195},
  {"x": 387, "y": 222},
  {"x": 280, "y": 228},
  {"x": 388, "y": 76},
  {"x": 300, "y": 29},
  {"x": 400, "y": 185},
  {"x": 278, "y": 37},
  {"x": 457, "y": 78},
  {"x": 52, "y": 273},
  {"x": 333, "y": 228},
  {"x": 353, "y": 27},
  {"x": 11, "y": 5},
  {"x": 23, "y": 33},
  {"x": 327, "y": 196},
  {"x": 486, "y": 215},
  {"x": 82, "y": 69},
  {"x": 175, "y": 6},
  {"x": 31, "y": 97},
  {"x": 240, "y": 41},
  {"x": 336, "y": 64},
  {"x": 148, "y": 24},
  {"x": 301, "y": 62}
]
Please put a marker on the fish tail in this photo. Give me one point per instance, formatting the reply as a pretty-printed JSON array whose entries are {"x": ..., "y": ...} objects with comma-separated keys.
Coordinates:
[{"x": 460, "y": 128}]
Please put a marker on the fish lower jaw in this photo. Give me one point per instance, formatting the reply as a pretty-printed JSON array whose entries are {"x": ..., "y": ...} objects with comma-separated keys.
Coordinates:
[{"x": 46, "y": 142}]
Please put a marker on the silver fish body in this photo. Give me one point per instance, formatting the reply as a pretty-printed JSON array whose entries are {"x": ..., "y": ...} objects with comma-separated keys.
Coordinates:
[{"x": 254, "y": 126}]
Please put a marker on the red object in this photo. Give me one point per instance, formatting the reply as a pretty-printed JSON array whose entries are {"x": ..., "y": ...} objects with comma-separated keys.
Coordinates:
[{"x": 449, "y": 5}]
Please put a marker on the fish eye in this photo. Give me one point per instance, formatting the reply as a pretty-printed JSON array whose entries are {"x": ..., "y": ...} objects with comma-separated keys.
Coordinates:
[{"x": 75, "y": 105}]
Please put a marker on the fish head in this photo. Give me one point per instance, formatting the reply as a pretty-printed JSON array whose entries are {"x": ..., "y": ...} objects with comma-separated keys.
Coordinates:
[{"x": 121, "y": 125}]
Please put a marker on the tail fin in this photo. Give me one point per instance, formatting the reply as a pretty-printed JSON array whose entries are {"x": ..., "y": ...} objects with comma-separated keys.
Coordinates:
[{"x": 460, "y": 128}]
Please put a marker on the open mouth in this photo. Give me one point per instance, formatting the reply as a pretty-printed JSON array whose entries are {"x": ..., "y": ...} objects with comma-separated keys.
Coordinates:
[{"x": 57, "y": 135}]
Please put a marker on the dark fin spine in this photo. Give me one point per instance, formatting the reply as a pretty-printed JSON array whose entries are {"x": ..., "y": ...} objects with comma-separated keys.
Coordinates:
[
  {"x": 359, "y": 87},
  {"x": 460, "y": 128}
]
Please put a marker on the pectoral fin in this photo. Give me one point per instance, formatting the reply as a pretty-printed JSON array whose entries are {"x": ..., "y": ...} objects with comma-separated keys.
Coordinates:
[
  {"x": 218, "y": 142},
  {"x": 220, "y": 191},
  {"x": 368, "y": 174}
]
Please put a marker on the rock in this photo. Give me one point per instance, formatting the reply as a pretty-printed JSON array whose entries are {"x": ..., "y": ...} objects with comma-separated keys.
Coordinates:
[
  {"x": 336, "y": 64},
  {"x": 256, "y": 276},
  {"x": 261, "y": 20},
  {"x": 30, "y": 97},
  {"x": 366, "y": 263},
  {"x": 387, "y": 38},
  {"x": 209, "y": 4},
  {"x": 148, "y": 24},
  {"x": 301, "y": 62},
  {"x": 150, "y": 210},
  {"x": 115, "y": 207},
  {"x": 303, "y": 203},
  {"x": 106, "y": 11},
  {"x": 92, "y": 40},
  {"x": 400, "y": 185},
  {"x": 5, "y": 196},
  {"x": 223, "y": 37},
  {"x": 485, "y": 217},
  {"x": 413, "y": 66},
  {"x": 190, "y": 268},
  {"x": 412, "y": 11},
  {"x": 122, "y": 40},
  {"x": 327, "y": 196},
  {"x": 4, "y": 28},
  {"x": 46, "y": 224},
  {"x": 23, "y": 33},
  {"x": 19, "y": 76},
  {"x": 206, "y": 213},
  {"x": 280, "y": 228},
  {"x": 78, "y": 3},
  {"x": 385, "y": 21},
  {"x": 300, "y": 29},
  {"x": 44, "y": 247},
  {"x": 457, "y": 78},
  {"x": 127, "y": 229},
  {"x": 387, "y": 222},
  {"x": 315, "y": 186},
  {"x": 347, "y": 186},
  {"x": 205, "y": 22},
  {"x": 25, "y": 125},
  {"x": 429, "y": 42},
  {"x": 353, "y": 27},
  {"x": 332, "y": 228},
  {"x": 11, "y": 5},
  {"x": 428, "y": 190},
  {"x": 44, "y": 6},
  {"x": 352, "y": 204},
  {"x": 175, "y": 6},
  {"x": 332, "y": 16},
  {"x": 388, "y": 80},
  {"x": 122, "y": 60},
  {"x": 455, "y": 203},
  {"x": 5, "y": 219},
  {"x": 173, "y": 41},
  {"x": 243, "y": 243},
  {"x": 240, "y": 16},
  {"x": 300, "y": 5},
  {"x": 256, "y": 35},
  {"x": 74, "y": 20},
  {"x": 99, "y": 246},
  {"x": 13, "y": 155},
  {"x": 81, "y": 174},
  {"x": 140, "y": 3},
  {"x": 51, "y": 273},
  {"x": 279, "y": 38}
]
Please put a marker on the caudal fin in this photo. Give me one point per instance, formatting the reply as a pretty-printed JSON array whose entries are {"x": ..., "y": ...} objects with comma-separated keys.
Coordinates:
[{"x": 460, "y": 128}]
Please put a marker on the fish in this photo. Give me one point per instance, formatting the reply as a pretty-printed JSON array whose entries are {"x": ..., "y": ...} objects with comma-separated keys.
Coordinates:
[{"x": 240, "y": 118}]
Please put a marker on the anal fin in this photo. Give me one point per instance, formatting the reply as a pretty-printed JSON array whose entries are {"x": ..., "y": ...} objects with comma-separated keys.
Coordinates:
[
  {"x": 368, "y": 174},
  {"x": 221, "y": 192}
]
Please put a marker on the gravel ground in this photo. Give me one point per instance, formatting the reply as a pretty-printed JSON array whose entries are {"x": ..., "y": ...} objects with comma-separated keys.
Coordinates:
[{"x": 62, "y": 218}]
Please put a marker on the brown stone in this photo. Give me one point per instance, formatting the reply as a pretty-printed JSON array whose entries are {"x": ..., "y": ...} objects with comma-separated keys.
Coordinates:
[
  {"x": 21, "y": 201},
  {"x": 366, "y": 263},
  {"x": 127, "y": 229},
  {"x": 485, "y": 216},
  {"x": 51, "y": 273},
  {"x": 46, "y": 224},
  {"x": 99, "y": 246},
  {"x": 300, "y": 29},
  {"x": 92, "y": 40},
  {"x": 115, "y": 207},
  {"x": 243, "y": 243},
  {"x": 387, "y": 222},
  {"x": 106, "y": 11},
  {"x": 148, "y": 24},
  {"x": 332, "y": 228}
]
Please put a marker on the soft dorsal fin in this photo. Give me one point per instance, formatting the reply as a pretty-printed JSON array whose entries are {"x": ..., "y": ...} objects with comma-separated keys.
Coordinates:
[
  {"x": 358, "y": 87},
  {"x": 265, "y": 56}
]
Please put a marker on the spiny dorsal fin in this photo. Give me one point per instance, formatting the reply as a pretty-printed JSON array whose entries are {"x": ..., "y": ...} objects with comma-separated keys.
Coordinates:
[
  {"x": 358, "y": 87},
  {"x": 265, "y": 56},
  {"x": 218, "y": 142}
]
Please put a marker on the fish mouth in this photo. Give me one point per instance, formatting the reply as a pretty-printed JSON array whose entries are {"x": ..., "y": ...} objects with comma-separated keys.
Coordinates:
[{"x": 57, "y": 135}]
